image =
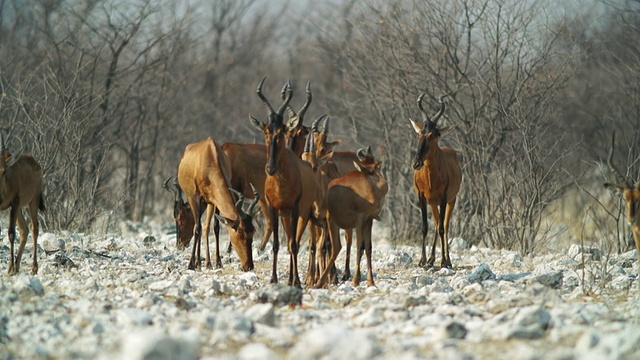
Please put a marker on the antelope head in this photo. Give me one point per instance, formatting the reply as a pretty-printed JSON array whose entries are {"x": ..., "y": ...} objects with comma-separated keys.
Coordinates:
[
  {"x": 428, "y": 133},
  {"x": 181, "y": 214},
  {"x": 297, "y": 134},
  {"x": 244, "y": 229},
  {"x": 365, "y": 156},
  {"x": 630, "y": 191},
  {"x": 275, "y": 130},
  {"x": 320, "y": 136}
]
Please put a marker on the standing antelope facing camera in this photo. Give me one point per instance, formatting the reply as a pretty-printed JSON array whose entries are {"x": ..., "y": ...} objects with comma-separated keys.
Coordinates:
[
  {"x": 437, "y": 179},
  {"x": 630, "y": 193},
  {"x": 203, "y": 175},
  {"x": 20, "y": 186},
  {"x": 283, "y": 185}
]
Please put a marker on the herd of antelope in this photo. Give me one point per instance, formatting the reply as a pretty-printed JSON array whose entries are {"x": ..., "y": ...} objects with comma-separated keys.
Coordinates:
[{"x": 298, "y": 179}]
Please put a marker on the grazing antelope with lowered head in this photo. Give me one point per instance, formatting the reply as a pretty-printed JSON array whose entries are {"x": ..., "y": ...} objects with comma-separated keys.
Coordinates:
[
  {"x": 630, "y": 193},
  {"x": 21, "y": 185},
  {"x": 353, "y": 202},
  {"x": 437, "y": 180},
  {"x": 283, "y": 185},
  {"x": 203, "y": 175},
  {"x": 181, "y": 214}
]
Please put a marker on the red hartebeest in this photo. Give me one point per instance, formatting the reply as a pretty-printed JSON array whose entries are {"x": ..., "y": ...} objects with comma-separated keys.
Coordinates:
[
  {"x": 437, "y": 180},
  {"x": 631, "y": 194},
  {"x": 283, "y": 185},
  {"x": 20, "y": 186},
  {"x": 315, "y": 179},
  {"x": 343, "y": 162},
  {"x": 203, "y": 175},
  {"x": 353, "y": 202}
]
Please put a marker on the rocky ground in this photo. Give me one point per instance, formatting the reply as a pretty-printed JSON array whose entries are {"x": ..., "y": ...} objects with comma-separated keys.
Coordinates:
[{"x": 131, "y": 296}]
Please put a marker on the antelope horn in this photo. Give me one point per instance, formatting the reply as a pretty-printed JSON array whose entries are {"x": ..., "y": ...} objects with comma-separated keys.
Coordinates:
[
  {"x": 316, "y": 122},
  {"x": 439, "y": 114},
  {"x": 3, "y": 149},
  {"x": 256, "y": 198},
  {"x": 283, "y": 96},
  {"x": 420, "y": 104},
  {"x": 287, "y": 100},
  {"x": 240, "y": 198},
  {"x": 325, "y": 127},
  {"x": 166, "y": 185},
  {"x": 304, "y": 108},
  {"x": 263, "y": 98},
  {"x": 615, "y": 170},
  {"x": 307, "y": 144},
  {"x": 312, "y": 144}
]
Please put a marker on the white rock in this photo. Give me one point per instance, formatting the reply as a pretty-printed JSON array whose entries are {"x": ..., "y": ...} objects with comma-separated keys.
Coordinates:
[{"x": 333, "y": 341}]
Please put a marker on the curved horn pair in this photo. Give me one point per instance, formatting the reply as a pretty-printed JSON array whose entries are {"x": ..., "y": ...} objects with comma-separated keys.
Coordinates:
[
  {"x": 286, "y": 89},
  {"x": 304, "y": 107},
  {"x": 437, "y": 116},
  {"x": 316, "y": 123},
  {"x": 240, "y": 201}
]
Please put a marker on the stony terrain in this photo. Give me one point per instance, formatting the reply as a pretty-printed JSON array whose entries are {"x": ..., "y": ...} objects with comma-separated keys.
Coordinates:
[{"x": 130, "y": 296}]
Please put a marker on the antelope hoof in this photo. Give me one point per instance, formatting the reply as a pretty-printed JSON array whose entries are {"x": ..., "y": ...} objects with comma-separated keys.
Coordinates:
[
  {"x": 426, "y": 264},
  {"x": 218, "y": 265},
  {"x": 346, "y": 276},
  {"x": 34, "y": 270},
  {"x": 296, "y": 283}
]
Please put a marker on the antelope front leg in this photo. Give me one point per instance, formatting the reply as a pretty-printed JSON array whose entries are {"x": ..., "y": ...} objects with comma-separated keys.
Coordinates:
[
  {"x": 14, "y": 263},
  {"x": 367, "y": 247},
  {"x": 207, "y": 223},
  {"x": 425, "y": 228},
  {"x": 313, "y": 241},
  {"x": 447, "y": 219},
  {"x": 11, "y": 270},
  {"x": 348, "y": 235},
  {"x": 293, "y": 249},
  {"x": 276, "y": 246}
]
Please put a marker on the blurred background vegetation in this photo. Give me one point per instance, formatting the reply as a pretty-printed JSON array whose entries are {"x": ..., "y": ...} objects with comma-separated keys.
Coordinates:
[{"x": 107, "y": 93}]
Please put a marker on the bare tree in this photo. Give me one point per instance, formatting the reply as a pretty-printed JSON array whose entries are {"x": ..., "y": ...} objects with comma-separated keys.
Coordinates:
[{"x": 498, "y": 63}]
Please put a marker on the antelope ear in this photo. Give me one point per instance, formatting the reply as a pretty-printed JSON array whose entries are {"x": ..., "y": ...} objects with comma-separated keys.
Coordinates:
[
  {"x": 417, "y": 127},
  {"x": 224, "y": 221},
  {"x": 330, "y": 146},
  {"x": 445, "y": 130},
  {"x": 256, "y": 123},
  {"x": 324, "y": 158}
]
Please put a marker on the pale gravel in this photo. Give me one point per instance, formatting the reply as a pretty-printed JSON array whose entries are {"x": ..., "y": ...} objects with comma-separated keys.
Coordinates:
[{"x": 129, "y": 295}]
